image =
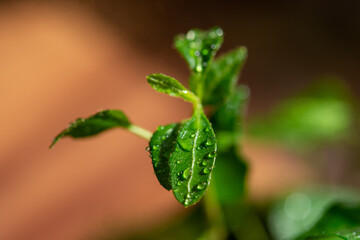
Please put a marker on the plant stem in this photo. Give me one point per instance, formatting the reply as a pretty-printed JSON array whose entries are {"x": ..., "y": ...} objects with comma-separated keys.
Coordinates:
[{"x": 140, "y": 132}]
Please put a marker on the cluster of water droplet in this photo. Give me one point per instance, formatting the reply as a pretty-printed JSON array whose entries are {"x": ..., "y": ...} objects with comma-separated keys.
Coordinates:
[{"x": 202, "y": 47}]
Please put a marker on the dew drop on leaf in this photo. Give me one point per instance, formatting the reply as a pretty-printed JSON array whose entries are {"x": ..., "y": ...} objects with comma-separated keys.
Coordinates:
[
  {"x": 206, "y": 171},
  {"x": 186, "y": 173},
  {"x": 209, "y": 142},
  {"x": 200, "y": 186},
  {"x": 204, "y": 163}
]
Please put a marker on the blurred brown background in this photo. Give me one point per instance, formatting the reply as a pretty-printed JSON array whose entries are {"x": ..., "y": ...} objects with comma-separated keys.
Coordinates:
[{"x": 60, "y": 60}]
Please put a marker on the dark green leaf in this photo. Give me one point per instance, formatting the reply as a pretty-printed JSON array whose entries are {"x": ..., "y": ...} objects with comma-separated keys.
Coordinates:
[
  {"x": 199, "y": 47},
  {"x": 229, "y": 115},
  {"x": 229, "y": 176},
  {"x": 193, "y": 159},
  {"x": 161, "y": 145},
  {"x": 340, "y": 220},
  {"x": 171, "y": 86},
  {"x": 298, "y": 212},
  {"x": 94, "y": 124},
  {"x": 222, "y": 76},
  {"x": 227, "y": 119}
]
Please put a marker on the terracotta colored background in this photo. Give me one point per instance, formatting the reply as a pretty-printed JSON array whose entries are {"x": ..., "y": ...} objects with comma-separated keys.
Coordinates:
[{"x": 61, "y": 60}]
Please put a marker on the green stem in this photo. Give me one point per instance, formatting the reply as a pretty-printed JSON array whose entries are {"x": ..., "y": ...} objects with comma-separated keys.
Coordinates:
[{"x": 140, "y": 132}]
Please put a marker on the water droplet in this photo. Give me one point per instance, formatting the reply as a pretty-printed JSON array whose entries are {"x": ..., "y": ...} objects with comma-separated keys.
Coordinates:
[
  {"x": 198, "y": 68},
  {"x": 204, "y": 64},
  {"x": 200, "y": 186},
  {"x": 197, "y": 53},
  {"x": 206, "y": 171},
  {"x": 211, "y": 155},
  {"x": 186, "y": 174},
  {"x": 204, "y": 163},
  {"x": 178, "y": 161},
  {"x": 213, "y": 46},
  {"x": 147, "y": 149},
  {"x": 186, "y": 143},
  {"x": 205, "y": 51},
  {"x": 209, "y": 142},
  {"x": 190, "y": 35},
  {"x": 219, "y": 32}
]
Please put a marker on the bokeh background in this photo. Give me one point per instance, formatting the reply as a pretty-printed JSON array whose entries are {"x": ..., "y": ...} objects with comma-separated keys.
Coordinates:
[{"x": 60, "y": 60}]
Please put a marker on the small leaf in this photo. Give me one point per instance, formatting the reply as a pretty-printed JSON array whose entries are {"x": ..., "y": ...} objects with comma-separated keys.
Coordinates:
[
  {"x": 223, "y": 75},
  {"x": 229, "y": 176},
  {"x": 171, "y": 86},
  {"x": 94, "y": 124},
  {"x": 199, "y": 47},
  {"x": 161, "y": 146},
  {"x": 193, "y": 159}
]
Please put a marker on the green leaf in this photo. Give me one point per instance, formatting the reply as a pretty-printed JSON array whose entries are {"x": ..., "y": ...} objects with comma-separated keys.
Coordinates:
[
  {"x": 161, "y": 146},
  {"x": 322, "y": 114},
  {"x": 229, "y": 176},
  {"x": 222, "y": 76},
  {"x": 341, "y": 220},
  {"x": 297, "y": 213},
  {"x": 199, "y": 47},
  {"x": 94, "y": 124},
  {"x": 170, "y": 86},
  {"x": 228, "y": 117},
  {"x": 193, "y": 159}
]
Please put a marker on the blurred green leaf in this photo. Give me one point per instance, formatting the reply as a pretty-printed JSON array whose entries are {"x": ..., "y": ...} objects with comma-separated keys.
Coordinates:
[
  {"x": 170, "y": 86},
  {"x": 300, "y": 211},
  {"x": 229, "y": 176},
  {"x": 340, "y": 220},
  {"x": 323, "y": 113},
  {"x": 228, "y": 117},
  {"x": 222, "y": 76},
  {"x": 95, "y": 124}
]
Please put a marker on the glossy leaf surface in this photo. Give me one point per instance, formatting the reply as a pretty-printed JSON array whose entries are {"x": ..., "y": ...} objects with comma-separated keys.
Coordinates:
[
  {"x": 199, "y": 47},
  {"x": 170, "y": 86},
  {"x": 193, "y": 159},
  {"x": 95, "y": 124},
  {"x": 161, "y": 146},
  {"x": 222, "y": 76}
]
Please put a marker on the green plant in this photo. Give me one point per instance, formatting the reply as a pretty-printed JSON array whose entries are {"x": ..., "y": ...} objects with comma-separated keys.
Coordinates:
[{"x": 183, "y": 154}]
